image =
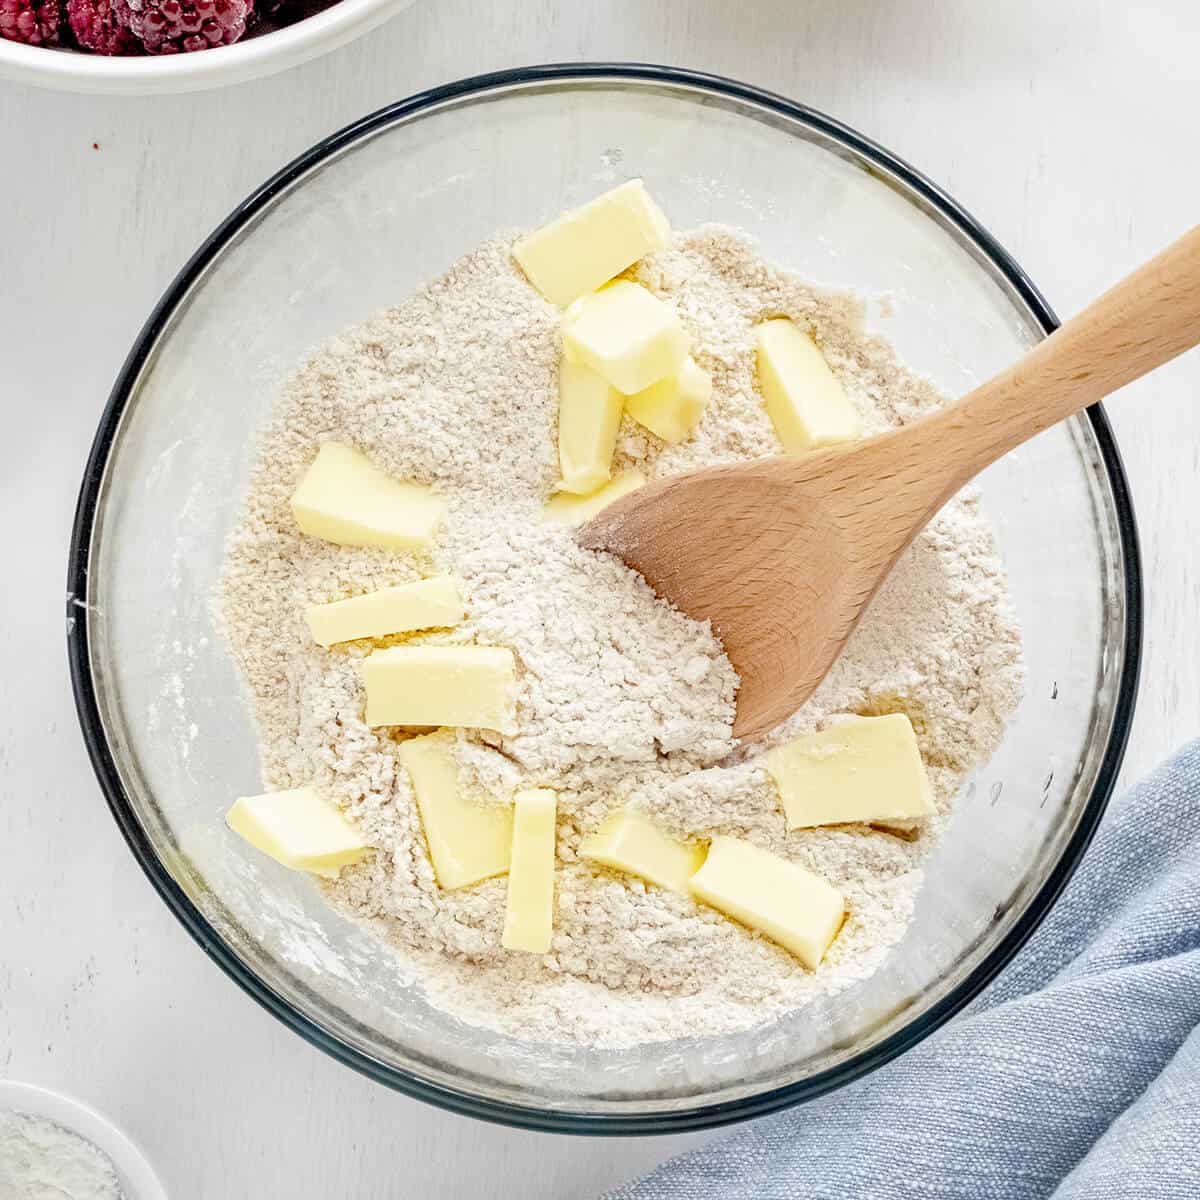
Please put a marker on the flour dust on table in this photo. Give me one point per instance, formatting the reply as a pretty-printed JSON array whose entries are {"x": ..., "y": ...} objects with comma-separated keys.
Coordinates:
[{"x": 621, "y": 703}]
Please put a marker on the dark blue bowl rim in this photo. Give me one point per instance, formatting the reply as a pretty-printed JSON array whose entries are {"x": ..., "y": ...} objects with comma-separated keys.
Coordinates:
[{"x": 563, "y": 1120}]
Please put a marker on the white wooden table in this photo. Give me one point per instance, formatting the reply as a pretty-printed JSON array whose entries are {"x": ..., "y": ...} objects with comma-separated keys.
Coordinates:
[{"x": 1068, "y": 128}]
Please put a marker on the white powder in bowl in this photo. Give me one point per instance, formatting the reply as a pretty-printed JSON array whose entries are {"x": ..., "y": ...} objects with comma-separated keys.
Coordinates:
[
  {"x": 622, "y": 698},
  {"x": 40, "y": 1160}
]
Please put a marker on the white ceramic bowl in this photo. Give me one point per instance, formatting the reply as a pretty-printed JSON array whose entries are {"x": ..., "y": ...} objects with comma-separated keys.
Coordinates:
[
  {"x": 138, "y": 1180},
  {"x": 70, "y": 71}
]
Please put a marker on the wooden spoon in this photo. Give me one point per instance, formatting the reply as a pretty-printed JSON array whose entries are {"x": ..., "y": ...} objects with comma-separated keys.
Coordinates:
[{"x": 783, "y": 555}]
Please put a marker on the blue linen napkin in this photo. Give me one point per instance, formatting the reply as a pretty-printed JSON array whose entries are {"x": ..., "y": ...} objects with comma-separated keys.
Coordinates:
[{"x": 1075, "y": 1074}]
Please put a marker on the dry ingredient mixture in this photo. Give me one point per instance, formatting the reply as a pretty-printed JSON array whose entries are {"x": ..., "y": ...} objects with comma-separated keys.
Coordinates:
[
  {"x": 40, "y": 1160},
  {"x": 621, "y": 698}
]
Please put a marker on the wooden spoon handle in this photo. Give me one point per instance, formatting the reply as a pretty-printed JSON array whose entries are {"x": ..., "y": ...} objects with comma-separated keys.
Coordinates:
[{"x": 1144, "y": 321}]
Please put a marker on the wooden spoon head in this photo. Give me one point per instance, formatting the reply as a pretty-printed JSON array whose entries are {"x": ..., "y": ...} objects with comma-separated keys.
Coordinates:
[{"x": 769, "y": 552}]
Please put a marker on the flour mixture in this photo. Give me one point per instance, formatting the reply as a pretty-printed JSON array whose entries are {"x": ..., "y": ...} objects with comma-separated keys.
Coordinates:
[
  {"x": 620, "y": 700},
  {"x": 40, "y": 1160}
]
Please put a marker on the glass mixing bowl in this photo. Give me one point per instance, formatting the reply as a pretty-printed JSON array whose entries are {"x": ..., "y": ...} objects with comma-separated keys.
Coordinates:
[{"x": 359, "y": 222}]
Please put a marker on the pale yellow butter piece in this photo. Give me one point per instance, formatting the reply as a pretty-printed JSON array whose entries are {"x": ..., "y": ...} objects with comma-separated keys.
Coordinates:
[
  {"x": 589, "y": 414},
  {"x": 529, "y": 912},
  {"x": 300, "y": 829},
  {"x": 566, "y": 509},
  {"x": 672, "y": 407},
  {"x": 587, "y": 246},
  {"x": 440, "y": 685},
  {"x": 629, "y": 841},
  {"x": 864, "y": 769},
  {"x": 786, "y": 903},
  {"x": 467, "y": 841},
  {"x": 427, "y": 604},
  {"x": 806, "y": 403},
  {"x": 345, "y": 498},
  {"x": 626, "y": 334}
]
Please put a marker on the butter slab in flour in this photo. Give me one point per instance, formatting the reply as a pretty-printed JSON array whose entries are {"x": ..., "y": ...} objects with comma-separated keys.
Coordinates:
[
  {"x": 469, "y": 686},
  {"x": 586, "y": 247},
  {"x": 805, "y": 400},
  {"x": 589, "y": 415},
  {"x": 629, "y": 841},
  {"x": 529, "y": 911},
  {"x": 467, "y": 841},
  {"x": 786, "y": 903},
  {"x": 345, "y": 498},
  {"x": 566, "y": 509},
  {"x": 427, "y": 604},
  {"x": 627, "y": 334},
  {"x": 299, "y": 828},
  {"x": 672, "y": 408},
  {"x": 860, "y": 769}
]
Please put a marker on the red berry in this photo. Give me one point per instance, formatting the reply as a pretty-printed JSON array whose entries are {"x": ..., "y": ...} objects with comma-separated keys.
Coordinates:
[
  {"x": 97, "y": 26},
  {"x": 175, "y": 26},
  {"x": 34, "y": 22}
]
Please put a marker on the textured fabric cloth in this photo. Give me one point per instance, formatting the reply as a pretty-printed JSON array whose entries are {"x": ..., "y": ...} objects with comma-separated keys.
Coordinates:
[{"x": 1075, "y": 1075}]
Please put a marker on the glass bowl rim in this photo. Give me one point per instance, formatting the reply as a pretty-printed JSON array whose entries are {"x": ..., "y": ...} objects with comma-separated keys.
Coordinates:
[{"x": 461, "y": 1101}]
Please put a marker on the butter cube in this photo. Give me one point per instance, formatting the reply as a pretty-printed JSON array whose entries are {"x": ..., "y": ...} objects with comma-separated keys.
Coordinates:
[
  {"x": 672, "y": 407},
  {"x": 786, "y": 903},
  {"x": 345, "y": 498},
  {"x": 805, "y": 401},
  {"x": 440, "y": 685},
  {"x": 865, "y": 769},
  {"x": 627, "y": 335},
  {"x": 426, "y": 604},
  {"x": 589, "y": 414},
  {"x": 630, "y": 842},
  {"x": 300, "y": 829},
  {"x": 529, "y": 913},
  {"x": 467, "y": 841},
  {"x": 586, "y": 247},
  {"x": 565, "y": 509}
]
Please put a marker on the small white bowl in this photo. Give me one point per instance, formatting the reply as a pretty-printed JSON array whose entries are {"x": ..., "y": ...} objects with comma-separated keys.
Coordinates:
[
  {"x": 138, "y": 1180},
  {"x": 71, "y": 71}
]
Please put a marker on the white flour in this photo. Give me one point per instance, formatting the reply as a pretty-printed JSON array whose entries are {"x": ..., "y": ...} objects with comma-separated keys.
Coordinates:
[
  {"x": 40, "y": 1160},
  {"x": 621, "y": 697}
]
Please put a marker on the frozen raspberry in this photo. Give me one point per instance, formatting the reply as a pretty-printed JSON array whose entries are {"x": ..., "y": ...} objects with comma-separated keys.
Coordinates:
[
  {"x": 34, "y": 22},
  {"x": 269, "y": 15},
  {"x": 176, "y": 26},
  {"x": 97, "y": 26}
]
